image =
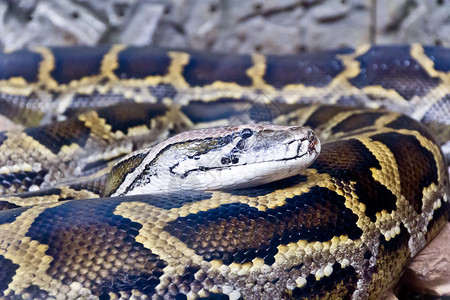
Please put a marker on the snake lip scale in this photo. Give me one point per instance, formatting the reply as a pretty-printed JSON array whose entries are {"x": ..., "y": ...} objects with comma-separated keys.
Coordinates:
[{"x": 91, "y": 126}]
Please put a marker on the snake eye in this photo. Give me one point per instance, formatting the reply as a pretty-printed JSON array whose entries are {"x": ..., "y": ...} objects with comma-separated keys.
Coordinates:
[{"x": 246, "y": 133}]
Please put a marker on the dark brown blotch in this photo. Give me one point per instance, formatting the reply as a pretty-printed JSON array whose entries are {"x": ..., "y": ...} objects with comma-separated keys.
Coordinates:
[
  {"x": 75, "y": 63},
  {"x": 205, "y": 69},
  {"x": 310, "y": 69},
  {"x": 10, "y": 215},
  {"x": 55, "y": 136},
  {"x": 325, "y": 113},
  {"x": 404, "y": 122},
  {"x": 416, "y": 165},
  {"x": 87, "y": 240},
  {"x": 139, "y": 62},
  {"x": 239, "y": 233},
  {"x": 21, "y": 63},
  {"x": 439, "y": 55},
  {"x": 123, "y": 117},
  {"x": 393, "y": 68},
  {"x": 350, "y": 160},
  {"x": 7, "y": 272},
  {"x": 5, "y": 205},
  {"x": 357, "y": 121}
]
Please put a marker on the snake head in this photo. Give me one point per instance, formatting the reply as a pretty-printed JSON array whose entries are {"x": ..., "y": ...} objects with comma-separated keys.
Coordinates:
[{"x": 215, "y": 159}]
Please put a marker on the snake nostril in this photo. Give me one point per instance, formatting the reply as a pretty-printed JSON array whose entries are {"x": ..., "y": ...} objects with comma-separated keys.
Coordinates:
[
  {"x": 311, "y": 146},
  {"x": 311, "y": 136},
  {"x": 312, "y": 139}
]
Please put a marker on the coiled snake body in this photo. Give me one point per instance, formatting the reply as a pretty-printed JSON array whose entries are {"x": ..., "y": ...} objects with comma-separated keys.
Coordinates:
[{"x": 344, "y": 228}]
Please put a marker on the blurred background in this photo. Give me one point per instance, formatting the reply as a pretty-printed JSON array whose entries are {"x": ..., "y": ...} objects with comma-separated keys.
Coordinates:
[{"x": 268, "y": 26}]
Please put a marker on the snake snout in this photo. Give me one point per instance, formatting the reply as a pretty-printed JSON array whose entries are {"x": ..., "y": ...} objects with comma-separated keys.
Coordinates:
[{"x": 314, "y": 143}]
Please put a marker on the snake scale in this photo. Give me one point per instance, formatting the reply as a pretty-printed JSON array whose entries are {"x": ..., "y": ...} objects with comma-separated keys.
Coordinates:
[{"x": 344, "y": 228}]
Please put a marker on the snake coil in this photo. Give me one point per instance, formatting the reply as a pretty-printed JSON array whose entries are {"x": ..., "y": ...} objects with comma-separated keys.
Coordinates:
[{"x": 344, "y": 228}]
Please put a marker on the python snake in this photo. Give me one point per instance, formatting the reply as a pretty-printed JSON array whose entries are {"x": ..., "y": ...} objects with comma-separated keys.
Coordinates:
[{"x": 344, "y": 228}]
